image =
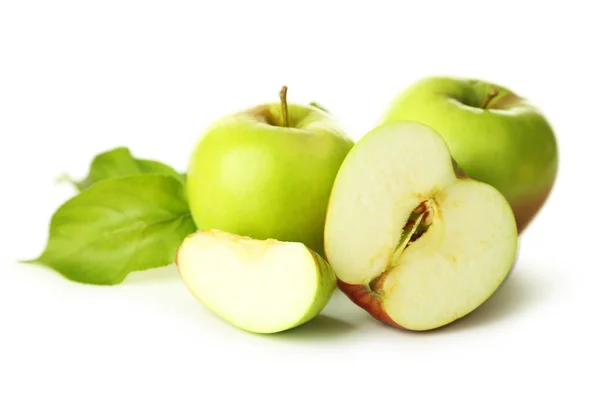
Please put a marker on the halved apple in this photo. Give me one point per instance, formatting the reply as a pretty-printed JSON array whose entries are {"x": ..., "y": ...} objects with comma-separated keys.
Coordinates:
[
  {"x": 262, "y": 286},
  {"x": 411, "y": 239}
]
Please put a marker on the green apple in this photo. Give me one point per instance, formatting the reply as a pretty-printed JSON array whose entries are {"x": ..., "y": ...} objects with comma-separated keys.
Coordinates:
[
  {"x": 267, "y": 172},
  {"x": 496, "y": 136},
  {"x": 415, "y": 243},
  {"x": 261, "y": 286}
]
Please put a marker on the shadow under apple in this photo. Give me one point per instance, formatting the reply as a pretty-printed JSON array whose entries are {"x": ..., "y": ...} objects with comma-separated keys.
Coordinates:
[
  {"x": 520, "y": 291},
  {"x": 322, "y": 327}
]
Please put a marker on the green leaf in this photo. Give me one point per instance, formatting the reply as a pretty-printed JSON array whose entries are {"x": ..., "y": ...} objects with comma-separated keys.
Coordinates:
[
  {"x": 117, "y": 226},
  {"x": 120, "y": 162},
  {"x": 320, "y": 107}
]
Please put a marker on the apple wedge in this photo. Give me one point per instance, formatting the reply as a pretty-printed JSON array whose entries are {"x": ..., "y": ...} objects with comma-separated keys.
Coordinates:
[
  {"x": 413, "y": 241},
  {"x": 261, "y": 286}
]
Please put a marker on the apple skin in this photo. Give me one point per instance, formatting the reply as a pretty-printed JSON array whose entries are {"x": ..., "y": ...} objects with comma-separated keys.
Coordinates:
[
  {"x": 251, "y": 176},
  {"x": 364, "y": 297},
  {"x": 509, "y": 144}
]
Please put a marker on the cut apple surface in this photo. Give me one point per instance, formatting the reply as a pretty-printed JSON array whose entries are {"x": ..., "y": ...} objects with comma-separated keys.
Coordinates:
[
  {"x": 262, "y": 286},
  {"x": 412, "y": 241}
]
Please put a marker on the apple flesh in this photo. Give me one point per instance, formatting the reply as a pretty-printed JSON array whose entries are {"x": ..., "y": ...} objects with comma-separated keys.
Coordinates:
[
  {"x": 267, "y": 172},
  {"x": 410, "y": 241},
  {"x": 261, "y": 286},
  {"x": 495, "y": 135}
]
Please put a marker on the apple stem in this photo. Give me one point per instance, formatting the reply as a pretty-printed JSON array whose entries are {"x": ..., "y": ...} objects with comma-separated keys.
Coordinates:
[
  {"x": 284, "y": 107},
  {"x": 490, "y": 96}
]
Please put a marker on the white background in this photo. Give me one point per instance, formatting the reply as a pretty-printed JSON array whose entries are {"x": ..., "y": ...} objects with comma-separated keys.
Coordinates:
[{"x": 81, "y": 77}]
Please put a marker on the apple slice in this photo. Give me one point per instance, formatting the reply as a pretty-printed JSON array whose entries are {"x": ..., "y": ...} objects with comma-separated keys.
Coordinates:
[
  {"x": 412, "y": 240},
  {"x": 262, "y": 286}
]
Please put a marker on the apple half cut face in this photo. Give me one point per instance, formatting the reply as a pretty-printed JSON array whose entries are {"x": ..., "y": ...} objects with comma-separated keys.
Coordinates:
[
  {"x": 261, "y": 286},
  {"x": 411, "y": 241}
]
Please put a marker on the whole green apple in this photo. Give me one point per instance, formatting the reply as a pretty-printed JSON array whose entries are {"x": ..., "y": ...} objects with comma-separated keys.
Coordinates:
[
  {"x": 267, "y": 172},
  {"x": 495, "y": 136}
]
